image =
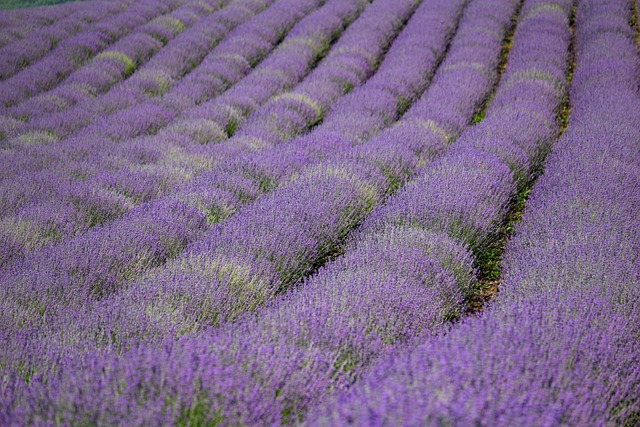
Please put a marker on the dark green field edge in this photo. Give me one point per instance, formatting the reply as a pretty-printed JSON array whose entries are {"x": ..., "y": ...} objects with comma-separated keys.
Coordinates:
[{"x": 18, "y": 4}]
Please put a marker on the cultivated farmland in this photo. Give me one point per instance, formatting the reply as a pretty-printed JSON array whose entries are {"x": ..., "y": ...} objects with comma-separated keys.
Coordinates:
[{"x": 320, "y": 212}]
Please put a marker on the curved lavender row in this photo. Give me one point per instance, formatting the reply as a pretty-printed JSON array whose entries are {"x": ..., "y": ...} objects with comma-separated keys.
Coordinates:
[
  {"x": 344, "y": 198},
  {"x": 276, "y": 74},
  {"x": 267, "y": 390},
  {"x": 466, "y": 192},
  {"x": 127, "y": 123},
  {"x": 17, "y": 55},
  {"x": 255, "y": 408},
  {"x": 106, "y": 32},
  {"x": 148, "y": 88},
  {"x": 349, "y": 63},
  {"x": 232, "y": 182},
  {"x": 19, "y": 23},
  {"x": 131, "y": 109},
  {"x": 117, "y": 62},
  {"x": 560, "y": 345},
  {"x": 164, "y": 163},
  {"x": 249, "y": 268},
  {"x": 479, "y": 15},
  {"x": 110, "y": 264},
  {"x": 178, "y": 57},
  {"x": 75, "y": 51},
  {"x": 117, "y": 204}
]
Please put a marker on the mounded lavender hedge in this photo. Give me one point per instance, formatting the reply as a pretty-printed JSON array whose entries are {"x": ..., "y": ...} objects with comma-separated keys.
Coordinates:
[
  {"x": 559, "y": 345},
  {"x": 258, "y": 212}
]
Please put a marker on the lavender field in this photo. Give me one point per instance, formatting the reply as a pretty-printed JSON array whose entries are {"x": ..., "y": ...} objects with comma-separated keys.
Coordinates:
[{"x": 320, "y": 212}]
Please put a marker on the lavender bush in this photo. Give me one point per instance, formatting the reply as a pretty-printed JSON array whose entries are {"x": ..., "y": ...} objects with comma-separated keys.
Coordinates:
[
  {"x": 276, "y": 212},
  {"x": 560, "y": 343}
]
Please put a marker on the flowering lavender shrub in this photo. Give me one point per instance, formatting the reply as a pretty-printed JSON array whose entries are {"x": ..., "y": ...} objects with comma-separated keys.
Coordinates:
[
  {"x": 140, "y": 120},
  {"x": 19, "y": 24},
  {"x": 34, "y": 46},
  {"x": 75, "y": 51},
  {"x": 115, "y": 63},
  {"x": 560, "y": 343},
  {"x": 287, "y": 65},
  {"x": 155, "y": 77},
  {"x": 345, "y": 349},
  {"x": 329, "y": 239},
  {"x": 348, "y": 64},
  {"x": 178, "y": 244},
  {"x": 144, "y": 121}
]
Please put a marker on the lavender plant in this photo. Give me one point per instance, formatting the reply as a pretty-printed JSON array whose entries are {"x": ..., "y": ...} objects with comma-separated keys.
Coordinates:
[
  {"x": 560, "y": 343},
  {"x": 141, "y": 317},
  {"x": 75, "y": 51},
  {"x": 165, "y": 165},
  {"x": 30, "y": 48},
  {"x": 115, "y": 63}
]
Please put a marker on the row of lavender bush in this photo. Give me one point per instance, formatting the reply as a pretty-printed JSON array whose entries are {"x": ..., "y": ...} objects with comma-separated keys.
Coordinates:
[
  {"x": 286, "y": 357},
  {"x": 39, "y": 43},
  {"x": 257, "y": 405},
  {"x": 148, "y": 88},
  {"x": 370, "y": 23},
  {"x": 18, "y": 24},
  {"x": 149, "y": 116},
  {"x": 560, "y": 345},
  {"x": 93, "y": 188},
  {"x": 134, "y": 256},
  {"x": 116, "y": 63},
  {"x": 144, "y": 179},
  {"x": 181, "y": 54},
  {"x": 295, "y": 227},
  {"x": 75, "y": 51}
]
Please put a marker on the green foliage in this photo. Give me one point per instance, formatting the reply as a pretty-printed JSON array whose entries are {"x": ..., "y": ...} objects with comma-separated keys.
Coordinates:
[{"x": 16, "y": 4}]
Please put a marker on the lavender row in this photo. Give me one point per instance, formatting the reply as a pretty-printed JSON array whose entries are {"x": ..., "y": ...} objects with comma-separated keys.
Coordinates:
[
  {"x": 346, "y": 314},
  {"x": 319, "y": 343},
  {"x": 560, "y": 343},
  {"x": 478, "y": 14},
  {"x": 470, "y": 187},
  {"x": 18, "y": 24},
  {"x": 115, "y": 63},
  {"x": 118, "y": 204},
  {"x": 145, "y": 89},
  {"x": 350, "y": 62},
  {"x": 20, "y": 54},
  {"x": 176, "y": 58},
  {"x": 280, "y": 71},
  {"x": 165, "y": 165},
  {"x": 223, "y": 68},
  {"x": 75, "y": 51},
  {"x": 259, "y": 267},
  {"x": 126, "y": 233},
  {"x": 133, "y": 108},
  {"x": 112, "y": 269},
  {"x": 105, "y": 174},
  {"x": 149, "y": 115},
  {"x": 227, "y": 175},
  {"x": 253, "y": 411}
]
